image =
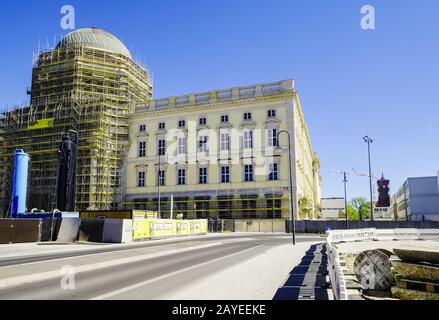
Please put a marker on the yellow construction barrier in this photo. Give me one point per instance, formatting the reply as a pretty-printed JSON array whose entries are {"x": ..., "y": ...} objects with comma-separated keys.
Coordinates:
[{"x": 162, "y": 228}]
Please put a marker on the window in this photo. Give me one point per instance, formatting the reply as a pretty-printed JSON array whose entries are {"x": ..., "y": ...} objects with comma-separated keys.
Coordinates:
[
  {"x": 273, "y": 171},
  {"x": 161, "y": 177},
  {"x": 224, "y": 118},
  {"x": 181, "y": 124},
  {"x": 272, "y": 138},
  {"x": 161, "y": 151},
  {"x": 248, "y": 173},
  {"x": 225, "y": 174},
  {"x": 271, "y": 113},
  {"x": 203, "y": 176},
  {"x": 142, "y": 128},
  {"x": 162, "y": 126},
  {"x": 181, "y": 145},
  {"x": 141, "y": 179},
  {"x": 202, "y": 144},
  {"x": 142, "y": 149},
  {"x": 247, "y": 116},
  {"x": 225, "y": 141},
  {"x": 248, "y": 139},
  {"x": 202, "y": 121},
  {"x": 181, "y": 176}
]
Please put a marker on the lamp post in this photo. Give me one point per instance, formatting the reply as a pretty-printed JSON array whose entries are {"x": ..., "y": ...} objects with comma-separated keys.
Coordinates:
[
  {"x": 345, "y": 181},
  {"x": 293, "y": 223},
  {"x": 369, "y": 140},
  {"x": 158, "y": 187}
]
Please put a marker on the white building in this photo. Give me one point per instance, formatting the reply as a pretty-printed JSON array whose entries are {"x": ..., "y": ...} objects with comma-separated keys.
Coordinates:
[{"x": 332, "y": 208}]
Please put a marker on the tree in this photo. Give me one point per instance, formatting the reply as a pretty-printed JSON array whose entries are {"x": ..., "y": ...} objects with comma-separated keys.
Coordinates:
[
  {"x": 352, "y": 213},
  {"x": 362, "y": 207}
]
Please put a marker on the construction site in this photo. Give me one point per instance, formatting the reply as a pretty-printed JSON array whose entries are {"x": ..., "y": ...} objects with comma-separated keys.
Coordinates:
[{"x": 88, "y": 83}]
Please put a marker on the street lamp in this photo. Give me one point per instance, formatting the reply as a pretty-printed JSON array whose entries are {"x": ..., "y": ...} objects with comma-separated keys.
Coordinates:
[
  {"x": 158, "y": 187},
  {"x": 293, "y": 223},
  {"x": 369, "y": 140},
  {"x": 345, "y": 181}
]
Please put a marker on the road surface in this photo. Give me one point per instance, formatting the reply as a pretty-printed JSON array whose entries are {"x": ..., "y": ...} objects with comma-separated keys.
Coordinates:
[{"x": 231, "y": 266}]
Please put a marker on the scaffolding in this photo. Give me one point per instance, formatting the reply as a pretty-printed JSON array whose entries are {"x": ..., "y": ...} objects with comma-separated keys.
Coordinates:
[
  {"x": 91, "y": 91},
  {"x": 226, "y": 207}
]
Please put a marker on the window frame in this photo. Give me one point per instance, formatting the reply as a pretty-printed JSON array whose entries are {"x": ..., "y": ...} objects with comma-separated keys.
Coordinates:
[
  {"x": 249, "y": 174},
  {"x": 247, "y": 139},
  {"x": 141, "y": 149},
  {"x": 273, "y": 175},
  {"x": 181, "y": 177},
  {"x": 141, "y": 179},
  {"x": 225, "y": 176},
  {"x": 202, "y": 175}
]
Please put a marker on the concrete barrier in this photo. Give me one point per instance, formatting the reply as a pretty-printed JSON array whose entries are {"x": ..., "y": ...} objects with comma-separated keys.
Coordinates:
[
  {"x": 19, "y": 230},
  {"x": 68, "y": 230},
  {"x": 117, "y": 231}
]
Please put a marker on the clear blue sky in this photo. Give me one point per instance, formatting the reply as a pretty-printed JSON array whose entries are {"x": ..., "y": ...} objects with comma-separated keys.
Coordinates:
[{"x": 352, "y": 82}]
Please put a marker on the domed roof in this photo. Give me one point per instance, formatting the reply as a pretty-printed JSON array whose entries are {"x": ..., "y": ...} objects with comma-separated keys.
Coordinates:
[{"x": 94, "y": 38}]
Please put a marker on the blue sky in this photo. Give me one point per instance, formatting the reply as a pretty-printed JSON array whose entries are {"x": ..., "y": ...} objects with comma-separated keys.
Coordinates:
[{"x": 352, "y": 82}]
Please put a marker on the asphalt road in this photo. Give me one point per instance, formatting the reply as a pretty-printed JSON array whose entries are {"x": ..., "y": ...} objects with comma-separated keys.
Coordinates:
[{"x": 150, "y": 278}]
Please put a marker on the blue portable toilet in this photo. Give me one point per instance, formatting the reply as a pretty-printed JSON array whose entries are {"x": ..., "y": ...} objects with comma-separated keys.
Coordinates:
[{"x": 19, "y": 182}]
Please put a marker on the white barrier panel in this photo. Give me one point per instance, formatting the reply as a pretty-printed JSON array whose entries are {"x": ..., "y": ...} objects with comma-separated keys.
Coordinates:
[
  {"x": 428, "y": 234},
  {"x": 406, "y": 234},
  {"x": 384, "y": 234}
]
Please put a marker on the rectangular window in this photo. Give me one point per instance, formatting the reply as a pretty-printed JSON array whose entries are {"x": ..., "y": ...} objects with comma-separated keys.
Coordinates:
[
  {"x": 225, "y": 141},
  {"x": 142, "y": 149},
  {"x": 203, "y": 176},
  {"x": 248, "y": 139},
  {"x": 141, "y": 179},
  {"x": 202, "y": 144},
  {"x": 248, "y": 173},
  {"x": 224, "y": 118},
  {"x": 161, "y": 177},
  {"x": 272, "y": 137},
  {"x": 181, "y": 145},
  {"x": 273, "y": 171},
  {"x": 181, "y": 176},
  {"x": 181, "y": 124},
  {"x": 202, "y": 121},
  {"x": 247, "y": 116},
  {"x": 161, "y": 147},
  {"x": 225, "y": 174},
  {"x": 162, "y": 126},
  {"x": 142, "y": 128},
  {"x": 271, "y": 113}
]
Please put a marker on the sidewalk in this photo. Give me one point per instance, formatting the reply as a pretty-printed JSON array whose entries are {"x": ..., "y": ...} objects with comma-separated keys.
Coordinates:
[{"x": 261, "y": 275}]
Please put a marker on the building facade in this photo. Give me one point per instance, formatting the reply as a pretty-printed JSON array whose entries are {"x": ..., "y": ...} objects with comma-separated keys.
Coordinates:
[
  {"x": 417, "y": 199},
  {"x": 218, "y": 154}
]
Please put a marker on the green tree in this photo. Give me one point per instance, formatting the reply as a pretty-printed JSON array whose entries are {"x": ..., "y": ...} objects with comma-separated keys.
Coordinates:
[
  {"x": 352, "y": 213},
  {"x": 362, "y": 207}
]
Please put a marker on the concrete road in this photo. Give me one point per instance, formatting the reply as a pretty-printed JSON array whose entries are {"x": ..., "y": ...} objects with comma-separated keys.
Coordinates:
[{"x": 177, "y": 269}]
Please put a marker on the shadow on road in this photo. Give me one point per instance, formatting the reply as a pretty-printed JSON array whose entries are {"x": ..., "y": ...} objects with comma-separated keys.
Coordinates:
[{"x": 307, "y": 281}]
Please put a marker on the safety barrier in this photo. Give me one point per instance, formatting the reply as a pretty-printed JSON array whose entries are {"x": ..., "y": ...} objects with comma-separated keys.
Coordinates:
[
  {"x": 336, "y": 274},
  {"x": 161, "y": 228}
]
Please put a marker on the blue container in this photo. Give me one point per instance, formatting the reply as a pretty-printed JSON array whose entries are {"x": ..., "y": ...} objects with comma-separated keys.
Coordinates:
[{"x": 19, "y": 182}]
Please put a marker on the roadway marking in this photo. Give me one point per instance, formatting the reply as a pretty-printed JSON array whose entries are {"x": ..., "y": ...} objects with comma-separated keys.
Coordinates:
[
  {"x": 141, "y": 284},
  {"x": 26, "y": 279}
]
